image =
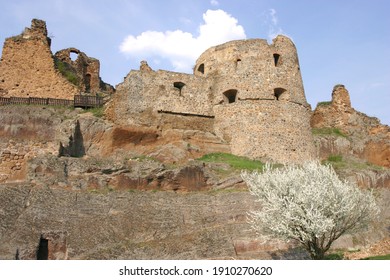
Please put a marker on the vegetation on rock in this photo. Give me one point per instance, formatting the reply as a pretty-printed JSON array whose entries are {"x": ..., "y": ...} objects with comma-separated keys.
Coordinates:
[
  {"x": 66, "y": 70},
  {"x": 324, "y": 103},
  {"x": 328, "y": 131},
  {"x": 236, "y": 162}
]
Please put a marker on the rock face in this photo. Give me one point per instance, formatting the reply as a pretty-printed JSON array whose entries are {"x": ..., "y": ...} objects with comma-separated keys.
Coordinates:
[
  {"x": 247, "y": 93},
  {"x": 28, "y": 69},
  {"x": 361, "y": 136},
  {"x": 108, "y": 205},
  {"x": 141, "y": 225}
]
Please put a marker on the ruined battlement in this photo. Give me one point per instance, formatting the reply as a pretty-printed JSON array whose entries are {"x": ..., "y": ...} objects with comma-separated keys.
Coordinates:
[{"x": 29, "y": 69}]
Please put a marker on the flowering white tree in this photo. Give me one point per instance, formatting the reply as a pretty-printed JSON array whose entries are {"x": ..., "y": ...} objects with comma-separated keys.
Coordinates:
[{"x": 309, "y": 204}]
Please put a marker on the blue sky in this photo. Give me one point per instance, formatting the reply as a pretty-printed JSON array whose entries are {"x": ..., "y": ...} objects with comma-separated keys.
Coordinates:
[{"x": 339, "y": 42}]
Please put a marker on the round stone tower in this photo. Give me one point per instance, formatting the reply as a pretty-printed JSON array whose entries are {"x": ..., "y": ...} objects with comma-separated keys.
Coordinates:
[{"x": 258, "y": 99}]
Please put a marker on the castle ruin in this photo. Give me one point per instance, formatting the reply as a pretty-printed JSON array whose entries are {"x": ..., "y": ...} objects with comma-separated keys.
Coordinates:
[
  {"x": 29, "y": 69},
  {"x": 248, "y": 93},
  {"x": 246, "y": 96}
]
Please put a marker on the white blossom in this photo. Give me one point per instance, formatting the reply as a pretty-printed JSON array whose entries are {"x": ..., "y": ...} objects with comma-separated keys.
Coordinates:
[{"x": 309, "y": 204}]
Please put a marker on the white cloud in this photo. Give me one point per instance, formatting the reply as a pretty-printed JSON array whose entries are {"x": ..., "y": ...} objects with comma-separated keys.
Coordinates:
[
  {"x": 214, "y": 2},
  {"x": 183, "y": 48},
  {"x": 274, "y": 19},
  {"x": 273, "y": 25}
]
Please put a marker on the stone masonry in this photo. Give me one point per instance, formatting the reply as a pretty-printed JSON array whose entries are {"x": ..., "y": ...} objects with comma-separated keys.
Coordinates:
[
  {"x": 248, "y": 93},
  {"x": 87, "y": 70},
  {"x": 29, "y": 69}
]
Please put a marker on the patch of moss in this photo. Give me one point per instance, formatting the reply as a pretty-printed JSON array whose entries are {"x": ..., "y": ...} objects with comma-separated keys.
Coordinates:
[{"x": 328, "y": 131}]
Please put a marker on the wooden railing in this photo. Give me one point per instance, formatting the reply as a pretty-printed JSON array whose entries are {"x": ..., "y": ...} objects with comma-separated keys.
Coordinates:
[{"x": 85, "y": 101}]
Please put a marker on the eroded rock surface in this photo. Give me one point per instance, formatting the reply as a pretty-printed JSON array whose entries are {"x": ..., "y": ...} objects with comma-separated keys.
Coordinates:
[{"x": 363, "y": 136}]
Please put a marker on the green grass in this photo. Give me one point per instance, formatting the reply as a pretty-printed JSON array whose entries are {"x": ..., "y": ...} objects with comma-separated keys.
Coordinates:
[
  {"x": 97, "y": 111},
  {"x": 384, "y": 257},
  {"x": 328, "y": 131},
  {"x": 236, "y": 162},
  {"x": 335, "y": 158},
  {"x": 338, "y": 162}
]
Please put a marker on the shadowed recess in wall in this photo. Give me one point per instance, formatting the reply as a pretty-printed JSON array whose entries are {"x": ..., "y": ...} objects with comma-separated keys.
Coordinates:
[
  {"x": 43, "y": 249},
  {"x": 75, "y": 147}
]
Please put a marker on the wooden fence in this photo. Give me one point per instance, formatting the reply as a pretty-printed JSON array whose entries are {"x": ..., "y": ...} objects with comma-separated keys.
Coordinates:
[{"x": 85, "y": 101}]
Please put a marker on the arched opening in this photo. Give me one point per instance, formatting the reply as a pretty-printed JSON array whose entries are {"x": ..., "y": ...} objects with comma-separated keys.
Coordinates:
[
  {"x": 201, "y": 68},
  {"x": 73, "y": 56},
  {"x": 179, "y": 85},
  {"x": 43, "y": 249},
  {"x": 230, "y": 96},
  {"x": 87, "y": 82},
  {"x": 278, "y": 92},
  {"x": 276, "y": 59},
  {"x": 238, "y": 62}
]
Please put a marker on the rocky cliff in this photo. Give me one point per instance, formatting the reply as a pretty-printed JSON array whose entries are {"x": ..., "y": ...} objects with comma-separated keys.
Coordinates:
[
  {"x": 109, "y": 202},
  {"x": 341, "y": 130}
]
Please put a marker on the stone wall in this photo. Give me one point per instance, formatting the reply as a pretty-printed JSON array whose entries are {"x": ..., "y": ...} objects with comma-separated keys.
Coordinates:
[
  {"x": 27, "y": 67},
  {"x": 12, "y": 166},
  {"x": 253, "y": 68},
  {"x": 86, "y": 69},
  {"x": 146, "y": 94},
  {"x": 276, "y": 131},
  {"x": 248, "y": 93}
]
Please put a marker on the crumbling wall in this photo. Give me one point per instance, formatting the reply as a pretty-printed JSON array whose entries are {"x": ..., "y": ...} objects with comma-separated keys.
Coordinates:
[
  {"x": 27, "y": 67},
  {"x": 146, "y": 96},
  {"x": 87, "y": 70}
]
